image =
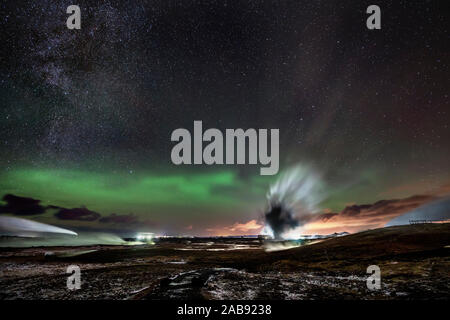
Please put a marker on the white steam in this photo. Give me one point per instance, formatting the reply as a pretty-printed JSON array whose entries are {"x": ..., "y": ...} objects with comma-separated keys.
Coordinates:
[
  {"x": 298, "y": 191},
  {"x": 24, "y": 227},
  {"x": 298, "y": 188},
  {"x": 28, "y": 233}
]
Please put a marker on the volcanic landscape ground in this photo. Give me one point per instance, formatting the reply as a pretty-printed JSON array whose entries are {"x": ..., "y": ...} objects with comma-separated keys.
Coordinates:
[{"x": 414, "y": 262}]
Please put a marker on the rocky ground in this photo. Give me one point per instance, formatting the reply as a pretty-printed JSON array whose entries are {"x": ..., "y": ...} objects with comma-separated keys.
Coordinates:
[{"x": 414, "y": 263}]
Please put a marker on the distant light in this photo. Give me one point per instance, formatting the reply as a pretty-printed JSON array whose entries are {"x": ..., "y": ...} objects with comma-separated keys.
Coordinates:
[{"x": 145, "y": 236}]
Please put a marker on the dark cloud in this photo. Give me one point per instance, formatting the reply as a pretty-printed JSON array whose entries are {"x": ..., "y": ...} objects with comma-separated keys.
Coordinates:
[
  {"x": 28, "y": 206},
  {"x": 24, "y": 206},
  {"x": 128, "y": 221},
  {"x": 324, "y": 217},
  {"x": 354, "y": 210},
  {"x": 375, "y": 211},
  {"x": 119, "y": 219},
  {"x": 367, "y": 216},
  {"x": 386, "y": 207},
  {"x": 313, "y": 217},
  {"x": 81, "y": 214},
  {"x": 54, "y": 207},
  {"x": 437, "y": 210},
  {"x": 21, "y": 206}
]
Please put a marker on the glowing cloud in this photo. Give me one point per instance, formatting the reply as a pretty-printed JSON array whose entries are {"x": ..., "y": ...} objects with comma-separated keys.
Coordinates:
[{"x": 11, "y": 225}]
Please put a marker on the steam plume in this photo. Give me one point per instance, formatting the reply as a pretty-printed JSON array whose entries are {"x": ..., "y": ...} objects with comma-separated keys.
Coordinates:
[
  {"x": 294, "y": 196},
  {"x": 29, "y": 233},
  {"x": 11, "y": 225}
]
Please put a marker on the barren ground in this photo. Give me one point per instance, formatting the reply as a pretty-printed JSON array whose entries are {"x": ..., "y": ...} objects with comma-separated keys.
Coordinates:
[{"x": 414, "y": 262}]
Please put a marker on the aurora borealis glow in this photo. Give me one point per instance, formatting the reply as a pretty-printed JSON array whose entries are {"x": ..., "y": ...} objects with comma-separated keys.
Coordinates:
[
  {"x": 199, "y": 194},
  {"x": 86, "y": 115}
]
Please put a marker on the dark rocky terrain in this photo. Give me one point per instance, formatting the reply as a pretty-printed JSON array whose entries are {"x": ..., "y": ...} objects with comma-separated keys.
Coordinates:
[{"x": 414, "y": 262}]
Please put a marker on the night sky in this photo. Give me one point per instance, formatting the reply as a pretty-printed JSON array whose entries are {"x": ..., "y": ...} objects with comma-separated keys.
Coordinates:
[{"x": 87, "y": 114}]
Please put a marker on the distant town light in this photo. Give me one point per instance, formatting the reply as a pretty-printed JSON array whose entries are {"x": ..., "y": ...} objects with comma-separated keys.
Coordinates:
[{"x": 145, "y": 236}]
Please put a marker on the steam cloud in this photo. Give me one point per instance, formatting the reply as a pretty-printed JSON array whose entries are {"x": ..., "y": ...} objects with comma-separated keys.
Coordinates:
[
  {"x": 293, "y": 197},
  {"x": 19, "y": 226},
  {"x": 27, "y": 233}
]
